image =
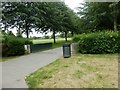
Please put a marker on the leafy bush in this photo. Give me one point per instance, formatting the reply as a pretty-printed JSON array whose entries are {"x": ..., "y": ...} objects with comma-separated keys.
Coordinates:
[
  {"x": 98, "y": 43},
  {"x": 13, "y": 45}
]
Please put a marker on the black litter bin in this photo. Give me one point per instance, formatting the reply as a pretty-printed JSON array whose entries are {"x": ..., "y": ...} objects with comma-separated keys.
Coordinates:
[{"x": 66, "y": 50}]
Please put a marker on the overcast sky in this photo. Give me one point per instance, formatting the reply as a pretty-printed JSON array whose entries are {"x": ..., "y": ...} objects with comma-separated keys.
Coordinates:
[{"x": 73, "y": 4}]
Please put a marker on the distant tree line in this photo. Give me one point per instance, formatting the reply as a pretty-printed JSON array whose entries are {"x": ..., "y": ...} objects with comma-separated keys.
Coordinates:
[
  {"x": 40, "y": 16},
  {"x": 57, "y": 17}
]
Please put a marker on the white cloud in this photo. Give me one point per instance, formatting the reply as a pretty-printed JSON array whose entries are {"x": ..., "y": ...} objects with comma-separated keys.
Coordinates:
[{"x": 73, "y": 4}]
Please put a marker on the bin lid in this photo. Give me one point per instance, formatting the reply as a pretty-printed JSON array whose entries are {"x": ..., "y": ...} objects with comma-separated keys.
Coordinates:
[{"x": 66, "y": 44}]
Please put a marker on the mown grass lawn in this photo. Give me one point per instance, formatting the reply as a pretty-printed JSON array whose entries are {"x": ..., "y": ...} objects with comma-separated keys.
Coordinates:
[
  {"x": 79, "y": 71},
  {"x": 40, "y": 41}
]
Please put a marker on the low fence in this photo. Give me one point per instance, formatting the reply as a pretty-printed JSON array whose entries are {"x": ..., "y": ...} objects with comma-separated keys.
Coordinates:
[
  {"x": 28, "y": 49},
  {"x": 37, "y": 47}
]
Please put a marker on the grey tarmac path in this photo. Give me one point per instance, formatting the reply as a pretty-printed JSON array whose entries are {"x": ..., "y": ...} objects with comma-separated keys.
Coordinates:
[{"x": 14, "y": 71}]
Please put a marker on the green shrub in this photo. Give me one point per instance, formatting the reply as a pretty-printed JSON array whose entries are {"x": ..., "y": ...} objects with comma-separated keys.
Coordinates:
[
  {"x": 12, "y": 46},
  {"x": 98, "y": 43}
]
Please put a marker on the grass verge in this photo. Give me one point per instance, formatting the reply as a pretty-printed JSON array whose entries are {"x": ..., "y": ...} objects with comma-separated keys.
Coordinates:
[
  {"x": 79, "y": 71},
  {"x": 3, "y": 59}
]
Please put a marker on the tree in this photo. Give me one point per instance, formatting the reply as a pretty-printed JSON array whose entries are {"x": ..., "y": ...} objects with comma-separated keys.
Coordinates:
[
  {"x": 114, "y": 13},
  {"x": 42, "y": 17},
  {"x": 99, "y": 16},
  {"x": 21, "y": 15},
  {"x": 70, "y": 22},
  {"x": 11, "y": 33}
]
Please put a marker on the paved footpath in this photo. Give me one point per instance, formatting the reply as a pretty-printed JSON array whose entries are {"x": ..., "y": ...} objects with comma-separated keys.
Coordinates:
[{"x": 14, "y": 71}]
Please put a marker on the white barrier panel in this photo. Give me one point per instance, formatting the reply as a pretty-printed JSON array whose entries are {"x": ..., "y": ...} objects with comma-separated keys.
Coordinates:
[
  {"x": 27, "y": 49},
  {"x": 74, "y": 48}
]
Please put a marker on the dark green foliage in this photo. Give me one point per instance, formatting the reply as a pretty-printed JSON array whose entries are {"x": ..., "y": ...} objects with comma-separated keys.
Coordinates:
[
  {"x": 98, "y": 43},
  {"x": 99, "y": 16},
  {"x": 13, "y": 45}
]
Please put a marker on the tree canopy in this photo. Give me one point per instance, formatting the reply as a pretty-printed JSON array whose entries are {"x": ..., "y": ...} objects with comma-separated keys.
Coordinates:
[
  {"x": 40, "y": 16},
  {"x": 98, "y": 16}
]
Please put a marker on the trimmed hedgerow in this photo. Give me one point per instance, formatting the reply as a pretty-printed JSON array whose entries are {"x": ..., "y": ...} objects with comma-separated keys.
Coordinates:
[
  {"x": 98, "y": 43},
  {"x": 12, "y": 46}
]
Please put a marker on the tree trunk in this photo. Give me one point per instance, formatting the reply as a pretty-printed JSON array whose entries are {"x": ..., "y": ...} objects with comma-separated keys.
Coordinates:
[
  {"x": 27, "y": 30},
  {"x": 115, "y": 16},
  {"x": 115, "y": 25},
  {"x": 54, "y": 36},
  {"x": 66, "y": 36},
  {"x": 5, "y": 28},
  {"x": 19, "y": 33},
  {"x": 72, "y": 33},
  {"x": 27, "y": 33}
]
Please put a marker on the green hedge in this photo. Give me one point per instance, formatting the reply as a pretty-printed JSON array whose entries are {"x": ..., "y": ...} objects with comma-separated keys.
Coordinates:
[
  {"x": 98, "y": 43},
  {"x": 12, "y": 46}
]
